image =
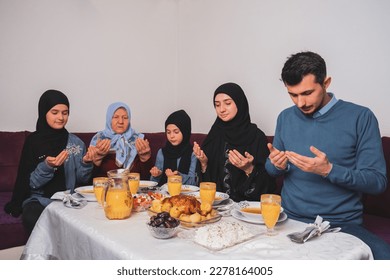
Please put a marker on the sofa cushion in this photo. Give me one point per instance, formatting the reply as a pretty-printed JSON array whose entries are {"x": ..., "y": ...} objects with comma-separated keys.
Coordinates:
[
  {"x": 379, "y": 204},
  {"x": 85, "y": 137},
  {"x": 11, "y": 144},
  {"x": 11, "y": 230},
  {"x": 378, "y": 225}
]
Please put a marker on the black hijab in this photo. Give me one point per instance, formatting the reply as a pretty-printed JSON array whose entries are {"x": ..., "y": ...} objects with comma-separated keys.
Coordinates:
[
  {"x": 45, "y": 141},
  {"x": 183, "y": 150},
  {"x": 238, "y": 132}
]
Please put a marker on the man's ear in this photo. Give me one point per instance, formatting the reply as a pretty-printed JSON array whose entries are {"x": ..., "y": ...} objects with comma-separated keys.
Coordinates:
[{"x": 327, "y": 82}]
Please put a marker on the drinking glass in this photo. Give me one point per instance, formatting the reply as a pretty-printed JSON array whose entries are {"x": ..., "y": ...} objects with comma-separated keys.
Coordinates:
[
  {"x": 207, "y": 192},
  {"x": 134, "y": 182},
  {"x": 270, "y": 210},
  {"x": 174, "y": 185},
  {"x": 100, "y": 185}
]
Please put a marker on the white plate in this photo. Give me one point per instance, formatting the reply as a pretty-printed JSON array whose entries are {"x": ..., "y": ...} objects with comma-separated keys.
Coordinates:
[
  {"x": 87, "y": 192},
  {"x": 259, "y": 221},
  {"x": 184, "y": 189},
  {"x": 220, "y": 197},
  {"x": 145, "y": 186},
  {"x": 253, "y": 204}
]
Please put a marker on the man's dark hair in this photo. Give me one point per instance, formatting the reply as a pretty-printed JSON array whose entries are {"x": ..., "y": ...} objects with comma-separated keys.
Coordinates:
[{"x": 301, "y": 64}]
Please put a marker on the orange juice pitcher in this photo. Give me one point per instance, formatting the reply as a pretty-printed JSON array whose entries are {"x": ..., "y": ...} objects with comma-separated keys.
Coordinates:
[{"x": 118, "y": 201}]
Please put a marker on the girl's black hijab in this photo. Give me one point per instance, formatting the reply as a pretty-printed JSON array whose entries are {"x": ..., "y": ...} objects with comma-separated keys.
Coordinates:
[
  {"x": 45, "y": 141},
  {"x": 50, "y": 141},
  {"x": 183, "y": 150}
]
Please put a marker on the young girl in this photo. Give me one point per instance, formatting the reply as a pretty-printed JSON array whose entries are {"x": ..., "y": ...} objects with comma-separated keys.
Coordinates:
[
  {"x": 176, "y": 157},
  {"x": 52, "y": 160}
]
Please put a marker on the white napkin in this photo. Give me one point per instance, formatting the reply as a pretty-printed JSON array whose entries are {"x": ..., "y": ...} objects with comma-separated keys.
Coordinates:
[
  {"x": 71, "y": 202},
  {"x": 319, "y": 227}
]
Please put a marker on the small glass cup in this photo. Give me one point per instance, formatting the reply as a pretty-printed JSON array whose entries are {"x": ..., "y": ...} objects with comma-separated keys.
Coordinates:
[
  {"x": 270, "y": 210},
  {"x": 100, "y": 185},
  {"x": 134, "y": 182},
  {"x": 174, "y": 185},
  {"x": 207, "y": 191}
]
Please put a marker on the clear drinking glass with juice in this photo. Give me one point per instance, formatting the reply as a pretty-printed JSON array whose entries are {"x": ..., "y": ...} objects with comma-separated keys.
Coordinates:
[
  {"x": 134, "y": 182},
  {"x": 174, "y": 185},
  {"x": 100, "y": 184},
  {"x": 270, "y": 210},
  {"x": 207, "y": 191}
]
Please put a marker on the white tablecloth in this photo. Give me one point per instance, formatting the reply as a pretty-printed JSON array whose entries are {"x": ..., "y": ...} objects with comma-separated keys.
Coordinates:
[{"x": 64, "y": 233}]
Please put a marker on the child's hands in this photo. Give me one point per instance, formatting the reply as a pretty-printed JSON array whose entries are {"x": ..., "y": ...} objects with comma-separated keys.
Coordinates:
[
  {"x": 155, "y": 171},
  {"x": 169, "y": 172}
]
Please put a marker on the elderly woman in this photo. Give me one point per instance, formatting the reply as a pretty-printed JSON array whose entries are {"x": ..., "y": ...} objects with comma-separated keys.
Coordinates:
[
  {"x": 120, "y": 146},
  {"x": 52, "y": 160},
  {"x": 235, "y": 150}
]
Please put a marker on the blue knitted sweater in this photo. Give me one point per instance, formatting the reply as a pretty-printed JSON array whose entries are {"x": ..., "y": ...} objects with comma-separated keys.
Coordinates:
[{"x": 350, "y": 137}]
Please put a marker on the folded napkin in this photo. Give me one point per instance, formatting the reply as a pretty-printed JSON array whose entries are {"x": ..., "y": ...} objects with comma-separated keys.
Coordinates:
[
  {"x": 72, "y": 202},
  {"x": 319, "y": 227}
]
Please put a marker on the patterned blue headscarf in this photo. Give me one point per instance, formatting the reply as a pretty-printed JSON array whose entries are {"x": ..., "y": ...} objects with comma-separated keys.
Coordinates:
[{"x": 123, "y": 144}]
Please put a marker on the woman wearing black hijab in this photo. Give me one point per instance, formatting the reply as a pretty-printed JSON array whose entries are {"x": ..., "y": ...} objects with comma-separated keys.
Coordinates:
[
  {"x": 176, "y": 157},
  {"x": 235, "y": 151},
  {"x": 51, "y": 161}
]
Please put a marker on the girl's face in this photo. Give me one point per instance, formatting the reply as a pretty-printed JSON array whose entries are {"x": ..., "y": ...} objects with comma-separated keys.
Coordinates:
[
  {"x": 120, "y": 121},
  {"x": 174, "y": 135},
  {"x": 225, "y": 107},
  {"x": 57, "y": 117}
]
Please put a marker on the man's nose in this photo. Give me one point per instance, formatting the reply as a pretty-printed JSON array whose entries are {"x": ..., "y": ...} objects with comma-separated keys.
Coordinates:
[{"x": 301, "y": 101}]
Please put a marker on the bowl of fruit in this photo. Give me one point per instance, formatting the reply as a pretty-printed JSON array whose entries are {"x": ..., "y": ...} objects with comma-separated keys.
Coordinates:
[{"x": 162, "y": 225}]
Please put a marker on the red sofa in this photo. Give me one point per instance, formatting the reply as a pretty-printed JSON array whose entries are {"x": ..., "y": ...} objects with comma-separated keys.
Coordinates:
[{"x": 376, "y": 208}]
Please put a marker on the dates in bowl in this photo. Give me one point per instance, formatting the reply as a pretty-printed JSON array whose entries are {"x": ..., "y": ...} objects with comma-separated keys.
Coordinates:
[{"x": 163, "y": 226}]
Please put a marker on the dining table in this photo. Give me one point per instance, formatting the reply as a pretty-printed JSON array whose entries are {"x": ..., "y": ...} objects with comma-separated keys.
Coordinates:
[{"x": 63, "y": 233}]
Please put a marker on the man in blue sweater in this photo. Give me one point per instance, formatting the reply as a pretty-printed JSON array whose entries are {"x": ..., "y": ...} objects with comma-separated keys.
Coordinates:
[{"x": 329, "y": 151}]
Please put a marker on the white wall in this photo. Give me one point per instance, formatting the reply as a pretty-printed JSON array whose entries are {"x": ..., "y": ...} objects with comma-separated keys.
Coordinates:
[
  {"x": 96, "y": 52},
  {"x": 162, "y": 55}
]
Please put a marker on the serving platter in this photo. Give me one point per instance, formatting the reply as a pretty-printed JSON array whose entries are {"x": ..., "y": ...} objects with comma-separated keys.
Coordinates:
[{"x": 187, "y": 224}]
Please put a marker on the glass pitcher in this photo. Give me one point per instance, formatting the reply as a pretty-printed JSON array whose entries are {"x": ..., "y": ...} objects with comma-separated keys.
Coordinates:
[{"x": 118, "y": 201}]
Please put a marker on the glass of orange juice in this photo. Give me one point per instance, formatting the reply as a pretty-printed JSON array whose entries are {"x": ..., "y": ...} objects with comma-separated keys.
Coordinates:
[
  {"x": 134, "y": 182},
  {"x": 174, "y": 185},
  {"x": 270, "y": 210},
  {"x": 99, "y": 187},
  {"x": 207, "y": 192}
]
